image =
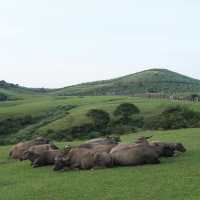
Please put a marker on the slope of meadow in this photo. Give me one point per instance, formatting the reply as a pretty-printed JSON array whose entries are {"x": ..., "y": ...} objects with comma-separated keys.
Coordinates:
[{"x": 55, "y": 115}]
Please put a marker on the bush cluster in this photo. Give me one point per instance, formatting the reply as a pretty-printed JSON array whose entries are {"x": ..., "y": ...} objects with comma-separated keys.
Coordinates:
[
  {"x": 11, "y": 125},
  {"x": 173, "y": 117},
  {"x": 3, "y": 97},
  {"x": 127, "y": 119}
]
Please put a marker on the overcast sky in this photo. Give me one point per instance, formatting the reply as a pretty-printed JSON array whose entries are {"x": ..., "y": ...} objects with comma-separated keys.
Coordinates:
[{"x": 55, "y": 43}]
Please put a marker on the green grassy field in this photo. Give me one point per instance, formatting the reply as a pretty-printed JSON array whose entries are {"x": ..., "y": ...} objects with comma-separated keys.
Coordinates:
[
  {"x": 175, "y": 178},
  {"x": 38, "y": 105}
]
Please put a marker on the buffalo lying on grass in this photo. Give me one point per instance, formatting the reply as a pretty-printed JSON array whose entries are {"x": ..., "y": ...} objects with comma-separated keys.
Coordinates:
[
  {"x": 18, "y": 150},
  {"x": 43, "y": 158},
  {"x": 38, "y": 149},
  {"x": 98, "y": 148},
  {"x": 164, "y": 149},
  {"x": 168, "y": 149},
  {"x": 90, "y": 156},
  {"x": 86, "y": 156},
  {"x": 134, "y": 154},
  {"x": 73, "y": 157},
  {"x": 83, "y": 158},
  {"x": 101, "y": 156},
  {"x": 96, "y": 153},
  {"x": 140, "y": 153}
]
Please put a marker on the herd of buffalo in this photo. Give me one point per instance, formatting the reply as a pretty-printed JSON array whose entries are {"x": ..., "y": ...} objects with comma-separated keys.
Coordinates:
[{"x": 97, "y": 153}]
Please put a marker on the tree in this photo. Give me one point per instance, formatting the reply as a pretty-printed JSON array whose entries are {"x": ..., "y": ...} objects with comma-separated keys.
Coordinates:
[
  {"x": 3, "y": 97},
  {"x": 126, "y": 110},
  {"x": 100, "y": 118}
]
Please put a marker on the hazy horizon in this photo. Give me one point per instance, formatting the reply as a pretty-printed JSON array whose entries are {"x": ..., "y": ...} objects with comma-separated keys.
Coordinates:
[{"x": 54, "y": 44}]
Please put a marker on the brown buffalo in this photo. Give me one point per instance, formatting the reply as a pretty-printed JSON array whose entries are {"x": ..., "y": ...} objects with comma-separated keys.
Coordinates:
[
  {"x": 98, "y": 148},
  {"x": 38, "y": 149},
  {"x": 43, "y": 158},
  {"x": 18, "y": 150},
  {"x": 163, "y": 149},
  {"x": 103, "y": 160},
  {"x": 168, "y": 149},
  {"x": 134, "y": 154},
  {"x": 84, "y": 158}
]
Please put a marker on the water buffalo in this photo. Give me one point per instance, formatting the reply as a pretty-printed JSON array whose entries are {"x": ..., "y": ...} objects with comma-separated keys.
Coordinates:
[
  {"x": 168, "y": 149},
  {"x": 98, "y": 147},
  {"x": 163, "y": 149},
  {"x": 134, "y": 154},
  {"x": 85, "y": 158},
  {"x": 103, "y": 160},
  {"x": 38, "y": 149},
  {"x": 18, "y": 150},
  {"x": 43, "y": 158}
]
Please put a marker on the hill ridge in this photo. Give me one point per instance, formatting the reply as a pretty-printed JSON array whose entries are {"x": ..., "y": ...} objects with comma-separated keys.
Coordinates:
[
  {"x": 150, "y": 80},
  {"x": 157, "y": 80}
]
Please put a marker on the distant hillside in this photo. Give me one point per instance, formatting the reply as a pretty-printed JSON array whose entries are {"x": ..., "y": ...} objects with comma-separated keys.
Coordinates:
[
  {"x": 148, "y": 81},
  {"x": 153, "y": 81},
  {"x": 14, "y": 91}
]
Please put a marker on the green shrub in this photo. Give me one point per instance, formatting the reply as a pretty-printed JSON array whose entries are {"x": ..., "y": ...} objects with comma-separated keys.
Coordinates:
[
  {"x": 120, "y": 129},
  {"x": 100, "y": 118},
  {"x": 11, "y": 125},
  {"x": 152, "y": 123},
  {"x": 137, "y": 121},
  {"x": 3, "y": 97},
  {"x": 173, "y": 117},
  {"x": 94, "y": 134},
  {"x": 125, "y": 111}
]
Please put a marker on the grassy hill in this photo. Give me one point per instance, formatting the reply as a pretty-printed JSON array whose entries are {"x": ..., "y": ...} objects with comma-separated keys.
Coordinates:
[
  {"x": 59, "y": 114},
  {"x": 47, "y": 111},
  {"x": 175, "y": 178},
  {"x": 14, "y": 91},
  {"x": 153, "y": 80}
]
